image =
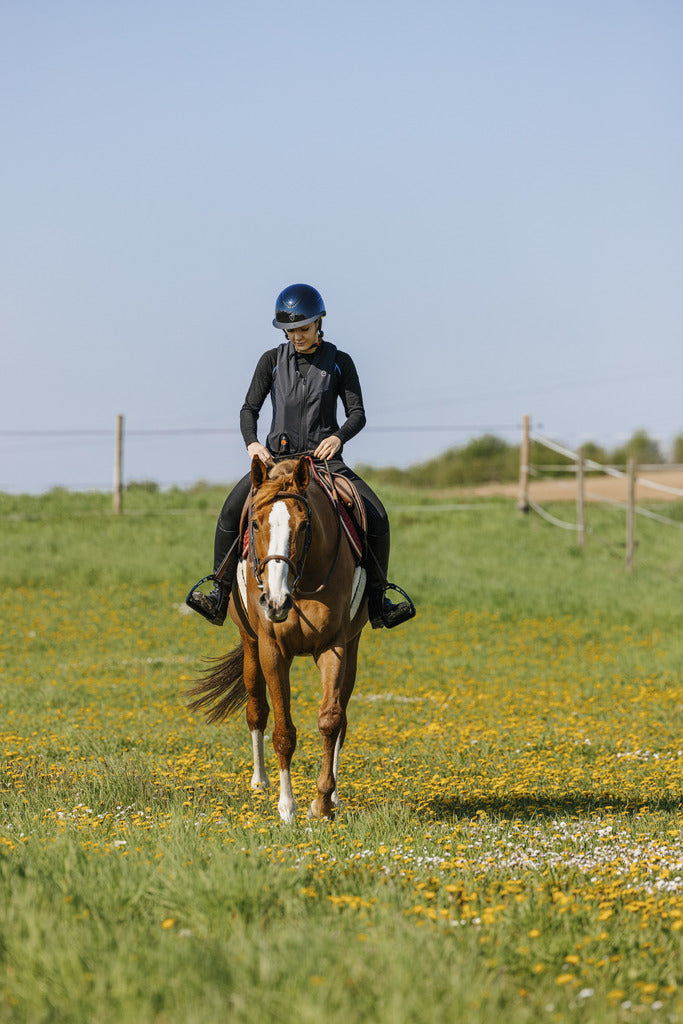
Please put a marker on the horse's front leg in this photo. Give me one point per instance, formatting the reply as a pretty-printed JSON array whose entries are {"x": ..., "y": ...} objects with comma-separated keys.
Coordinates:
[
  {"x": 257, "y": 711},
  {"x": 347, "y": 686},
  {"x": 275, "y": 668},
  {"x": 332, "y": 725}
]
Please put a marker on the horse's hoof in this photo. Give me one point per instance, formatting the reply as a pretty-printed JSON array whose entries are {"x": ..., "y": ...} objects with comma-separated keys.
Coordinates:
[
  {"x": 287, "y": 814},
  {"x": 260, "y": 785},
  {"x": 315, "y": 812}
]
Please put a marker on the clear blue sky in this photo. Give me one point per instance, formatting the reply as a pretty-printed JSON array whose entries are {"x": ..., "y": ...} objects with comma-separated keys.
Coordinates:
[{"x": 488, "y": 196}]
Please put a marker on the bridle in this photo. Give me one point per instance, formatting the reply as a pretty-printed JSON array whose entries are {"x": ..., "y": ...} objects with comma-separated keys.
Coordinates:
[{"x": 258, "y": 564}]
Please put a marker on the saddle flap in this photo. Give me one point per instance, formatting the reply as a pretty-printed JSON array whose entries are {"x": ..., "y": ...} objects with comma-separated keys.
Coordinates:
[
  {"x": 344, "y": 496},
  {"x": 348, "y": 493},
  {"x": 244, "y": 526}
]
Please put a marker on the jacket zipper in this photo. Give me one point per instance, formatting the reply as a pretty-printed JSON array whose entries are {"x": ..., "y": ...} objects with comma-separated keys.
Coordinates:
[{"x": 303, "y": 410}]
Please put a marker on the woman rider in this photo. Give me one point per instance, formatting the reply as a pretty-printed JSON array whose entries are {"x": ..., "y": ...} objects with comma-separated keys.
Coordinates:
[{"x": 304, "y": 376}]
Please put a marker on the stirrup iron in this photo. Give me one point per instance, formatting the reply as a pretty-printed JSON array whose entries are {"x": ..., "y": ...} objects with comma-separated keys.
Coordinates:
[
  {"x": 407, "y": 613},
  {"x": 192, "y": 601}
]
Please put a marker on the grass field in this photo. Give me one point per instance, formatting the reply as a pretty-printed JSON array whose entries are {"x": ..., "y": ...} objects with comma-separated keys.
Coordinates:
[{"x": 511, "y": 843}]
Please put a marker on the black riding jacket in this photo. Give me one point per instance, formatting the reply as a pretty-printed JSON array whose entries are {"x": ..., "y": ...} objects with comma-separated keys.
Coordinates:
[
  {"x": 345, "y": 386},
  {"x": 304, "y": 389}
]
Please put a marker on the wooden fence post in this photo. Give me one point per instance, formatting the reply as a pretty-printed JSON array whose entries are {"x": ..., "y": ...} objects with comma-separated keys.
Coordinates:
[
  {"x": 523, "y": 499},
  {"x": 118, "y": 467},
  {"x": 580, "y": 504},
  {"x": 631, "y": 515}
]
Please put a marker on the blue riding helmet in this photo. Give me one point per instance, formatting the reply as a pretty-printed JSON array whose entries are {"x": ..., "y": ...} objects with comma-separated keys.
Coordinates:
[{"x": 298, "y": 306}]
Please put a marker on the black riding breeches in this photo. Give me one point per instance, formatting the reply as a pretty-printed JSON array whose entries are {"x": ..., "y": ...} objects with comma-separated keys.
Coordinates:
[{"x": 228, "y": 525}]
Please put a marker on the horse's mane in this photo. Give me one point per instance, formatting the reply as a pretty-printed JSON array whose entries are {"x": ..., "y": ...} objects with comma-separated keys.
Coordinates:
[
  {"x": 281, "y": 469},
  {"x": 279, "y": 479}
]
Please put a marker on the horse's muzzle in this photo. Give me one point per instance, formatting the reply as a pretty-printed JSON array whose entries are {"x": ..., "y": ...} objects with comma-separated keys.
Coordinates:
[{"x": 275, "y": 612}]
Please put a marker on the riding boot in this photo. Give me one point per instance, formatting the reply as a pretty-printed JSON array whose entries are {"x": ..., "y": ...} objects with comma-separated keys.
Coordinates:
[
  {"x": 382, "y": 611},
  {"x": 214, "y": 606}
]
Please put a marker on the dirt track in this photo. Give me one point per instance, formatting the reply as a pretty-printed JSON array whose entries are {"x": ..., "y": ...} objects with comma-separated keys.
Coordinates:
[{"x": 596, "y": 488}]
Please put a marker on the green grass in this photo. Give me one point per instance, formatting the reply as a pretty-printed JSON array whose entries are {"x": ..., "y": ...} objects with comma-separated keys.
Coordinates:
[{"x": 510, "y": 844}]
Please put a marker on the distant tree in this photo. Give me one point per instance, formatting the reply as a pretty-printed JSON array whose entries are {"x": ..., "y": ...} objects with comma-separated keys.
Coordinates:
[
  {"x": 148, "y": 486},
  {"x": 482, "y": 460},
  {"x": 678, "y": 449},
  {"x": 541, "y": 455},
  {"x": 595, "y": 453},
  {"x": 488, "y": 458},
  {"x": 486, "y": 447},
  {"x": 641, "y": 447}
]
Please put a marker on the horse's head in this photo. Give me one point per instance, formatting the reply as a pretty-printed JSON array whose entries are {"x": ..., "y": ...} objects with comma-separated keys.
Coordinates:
[{"x": 280, "y": 532}]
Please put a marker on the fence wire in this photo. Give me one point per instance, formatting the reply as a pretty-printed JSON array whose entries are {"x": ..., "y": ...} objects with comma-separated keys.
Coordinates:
[{"x": 612, "y": 471}]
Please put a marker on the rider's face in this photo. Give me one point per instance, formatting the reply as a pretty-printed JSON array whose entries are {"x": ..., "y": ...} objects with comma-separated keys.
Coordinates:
[{"x": 304, "y": 339}]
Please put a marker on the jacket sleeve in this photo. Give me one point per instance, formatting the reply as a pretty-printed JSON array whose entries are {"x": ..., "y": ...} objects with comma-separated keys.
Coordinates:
[
  {"x": 349, "y": 390},
  {"x": 259, "y": 389}
]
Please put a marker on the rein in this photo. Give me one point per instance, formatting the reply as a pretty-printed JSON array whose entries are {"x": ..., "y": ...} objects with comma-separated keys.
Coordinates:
[{"x": 257, "y": 565}]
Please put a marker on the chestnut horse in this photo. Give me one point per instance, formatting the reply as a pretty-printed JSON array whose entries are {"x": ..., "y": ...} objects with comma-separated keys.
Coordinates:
[{"x": 301, "y": 575}]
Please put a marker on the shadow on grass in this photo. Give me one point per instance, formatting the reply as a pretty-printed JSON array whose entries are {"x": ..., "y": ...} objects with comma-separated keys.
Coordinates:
[{"x": 527, "y": 806}]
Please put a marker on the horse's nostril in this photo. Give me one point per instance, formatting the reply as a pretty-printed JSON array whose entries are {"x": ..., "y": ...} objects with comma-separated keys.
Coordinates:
[{"x": 263, "y": 599}]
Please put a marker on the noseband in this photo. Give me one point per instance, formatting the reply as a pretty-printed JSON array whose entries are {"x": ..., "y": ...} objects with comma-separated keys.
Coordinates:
[{"x": 257, "y": 565}]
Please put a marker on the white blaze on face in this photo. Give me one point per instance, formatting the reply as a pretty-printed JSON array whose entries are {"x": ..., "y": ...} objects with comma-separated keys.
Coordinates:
[{"x": 279, "y": 545}]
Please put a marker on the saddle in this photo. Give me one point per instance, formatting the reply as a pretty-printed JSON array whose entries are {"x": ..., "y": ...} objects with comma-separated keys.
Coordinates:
[{"x": 344, "y": 496}]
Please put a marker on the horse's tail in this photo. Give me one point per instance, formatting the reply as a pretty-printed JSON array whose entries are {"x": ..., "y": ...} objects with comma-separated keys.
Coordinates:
[{"x": 222, "y": 691}]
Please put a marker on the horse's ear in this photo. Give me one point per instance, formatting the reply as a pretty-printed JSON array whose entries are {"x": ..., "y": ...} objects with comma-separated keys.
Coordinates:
[
  {"x": 302, "y": 473},
  {"x": 258, "y": 471}
]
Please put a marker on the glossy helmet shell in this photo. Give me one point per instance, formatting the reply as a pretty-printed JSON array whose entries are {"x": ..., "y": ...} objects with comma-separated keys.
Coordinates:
[{"x": 298, "y": 306}]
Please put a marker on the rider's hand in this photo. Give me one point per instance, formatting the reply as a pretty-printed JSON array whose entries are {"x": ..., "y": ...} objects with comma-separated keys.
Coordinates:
[
  {"x": 256, "y": 448},
  {"x": 327, "y": 448}
]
